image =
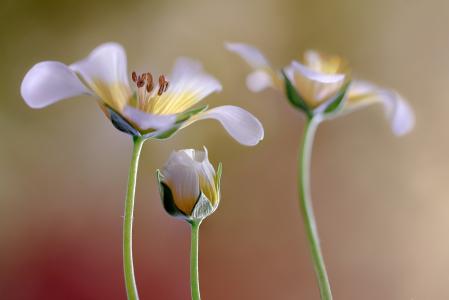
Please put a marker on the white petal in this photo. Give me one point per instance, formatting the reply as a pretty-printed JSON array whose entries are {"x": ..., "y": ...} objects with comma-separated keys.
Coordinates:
[
  {"x": 317, "y": 76},
  {"x": 184, "y": 184},
  {"x": 106, "y": 63},
  {"x": 198, "y": 161},
  {"x": 203, "y": 166},
  {"x": 149, "y": 121},
  {"x": 189, "y": 75},
  {"x": 250, "y": 54},
  {"x": 399, "y": 112},
  {"x": 258, "y": 81},
  {"x": 313, "y": 60},
  {"x": 48, "y": 82},
  {"x": 189, "y": 84},
  {"x": 240, "y": 124}
]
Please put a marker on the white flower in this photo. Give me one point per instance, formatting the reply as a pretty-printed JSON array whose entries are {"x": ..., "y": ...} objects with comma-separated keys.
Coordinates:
[
  {"x": 157, "y": 107},
  {"x": 189, "y": 185},
  {"x": 319, "y": 79}
]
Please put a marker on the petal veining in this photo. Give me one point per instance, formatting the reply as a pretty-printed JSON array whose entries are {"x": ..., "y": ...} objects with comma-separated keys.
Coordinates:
[{"x": 189, "y": 84}]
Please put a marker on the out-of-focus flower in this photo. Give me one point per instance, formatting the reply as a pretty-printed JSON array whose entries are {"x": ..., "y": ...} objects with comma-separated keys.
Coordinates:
[
  {"x": 321, "y": 84},
  {"x": 189, "y": 185},
  {"x": 157, "y": 107}
]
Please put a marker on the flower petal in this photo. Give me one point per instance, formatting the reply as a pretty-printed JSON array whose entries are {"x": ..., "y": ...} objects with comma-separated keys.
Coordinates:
[
  {"x": 397, "y": 110},
  {"x": 106, "y": 63},
  {"x": 147, "y": 121},
  {"x": 189, "y": 84},
  {"x": 49, "y": 82},
  {"x": 315, "y": 87},
  {"x": 239, "y": 123},
  {"x": 324, "y": 63},
  {"x": 317, "y": 76},
  {"x": 184, "y": 184},
  {"x": 250, "y": 54},
  {"x": 258, "y": 81}
]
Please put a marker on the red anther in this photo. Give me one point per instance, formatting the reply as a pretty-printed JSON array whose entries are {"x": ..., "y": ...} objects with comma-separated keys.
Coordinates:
[
  {"x": 134, "y": 76},
  {"x": 163, "y": 85}
]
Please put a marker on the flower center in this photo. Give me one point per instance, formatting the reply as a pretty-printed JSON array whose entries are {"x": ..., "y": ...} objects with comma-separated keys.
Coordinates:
[{"x": 147, "y": 91}]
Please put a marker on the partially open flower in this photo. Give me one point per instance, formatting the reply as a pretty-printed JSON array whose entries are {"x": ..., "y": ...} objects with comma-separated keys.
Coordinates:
[
  {"x": 321, "y": 84},
  {"x": 156, "y": 107},
  {"x": 189, "y": 185}
]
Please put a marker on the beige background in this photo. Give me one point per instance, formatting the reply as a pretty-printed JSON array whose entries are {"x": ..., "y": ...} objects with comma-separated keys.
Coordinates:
[{"x": 381, "y": 201}]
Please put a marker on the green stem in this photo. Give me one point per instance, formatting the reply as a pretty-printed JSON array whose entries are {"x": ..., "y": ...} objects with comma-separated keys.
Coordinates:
[
  {"x": 130, "y": 281},
  {"x": 305, "y": 202},
  {"x": 194, "y": 275}
]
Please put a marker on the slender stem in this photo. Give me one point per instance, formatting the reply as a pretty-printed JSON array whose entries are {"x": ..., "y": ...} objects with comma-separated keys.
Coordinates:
[
  {"x": 305, "y": 202},
  {"x": 194, "y": 275},
  {"x": 130, "y": 281}
]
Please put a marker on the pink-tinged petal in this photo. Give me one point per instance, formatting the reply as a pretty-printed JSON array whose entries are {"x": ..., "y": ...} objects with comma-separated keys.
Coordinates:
[
  {"x": 49, "y": 82},
  {"x": 147, "y": 121},
  {"x": 250, "y": 54},
  {"x": 106, "y": 63},
  {"x": 239, "y": 123}
]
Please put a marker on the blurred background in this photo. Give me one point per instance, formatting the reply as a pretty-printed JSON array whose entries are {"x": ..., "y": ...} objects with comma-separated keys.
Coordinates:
[{"x": 381, "y": 202}]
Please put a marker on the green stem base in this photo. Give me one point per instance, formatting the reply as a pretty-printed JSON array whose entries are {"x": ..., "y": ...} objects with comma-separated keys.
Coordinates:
[{"x": 194, "y": 274}]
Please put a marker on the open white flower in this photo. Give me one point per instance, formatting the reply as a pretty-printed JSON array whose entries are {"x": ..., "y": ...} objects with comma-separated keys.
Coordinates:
[
  {"x": 157, "y": 107},
  {"x": 319, "y": 80},
  {"x": 189, "y": 185}
]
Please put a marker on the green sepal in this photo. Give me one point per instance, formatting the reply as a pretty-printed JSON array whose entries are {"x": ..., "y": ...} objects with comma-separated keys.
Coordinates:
[
  {"x": 338, "y": 102},
  {"x": 184, "y": 116},
  {"x": 294, "y": 97},
  {"x": 218, "y": 178},
  {"x": 167, "y": 198},
  {"x": 181, "y": 118},
  {"x": 168, "y": 133}
]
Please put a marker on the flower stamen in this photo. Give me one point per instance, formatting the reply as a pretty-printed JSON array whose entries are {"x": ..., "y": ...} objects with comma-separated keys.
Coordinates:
[
  {"x": 163, "y": 85},
  {"x": 149, "y": 85},
  {"x": 146, "y": 89}
]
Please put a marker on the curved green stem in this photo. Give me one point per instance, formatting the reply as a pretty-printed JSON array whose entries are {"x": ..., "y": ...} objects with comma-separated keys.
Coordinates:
[
  {"x": 130, "y": 281},
  {"x": 305, "y": 202},
  {"x": 194, "y": 275}
]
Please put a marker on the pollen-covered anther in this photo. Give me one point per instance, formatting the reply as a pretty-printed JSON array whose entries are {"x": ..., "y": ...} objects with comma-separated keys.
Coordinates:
[
  {"x": 163, "y": 85},
  {"x": 150, "y": 85}
]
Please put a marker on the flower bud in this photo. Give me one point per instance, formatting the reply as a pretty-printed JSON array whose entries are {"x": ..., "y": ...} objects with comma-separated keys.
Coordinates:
[{"x": 189, "y": 185}]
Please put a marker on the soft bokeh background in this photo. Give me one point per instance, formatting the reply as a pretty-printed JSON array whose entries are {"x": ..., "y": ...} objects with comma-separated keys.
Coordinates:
[{"x": 381, "y": 201}]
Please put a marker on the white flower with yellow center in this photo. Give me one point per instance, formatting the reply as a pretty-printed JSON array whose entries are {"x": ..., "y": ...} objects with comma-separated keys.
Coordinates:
[
  {"x": 157, "y": 107},
  {"x": 189, "y": 185},
  {"x": 319, "y": 83}
]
